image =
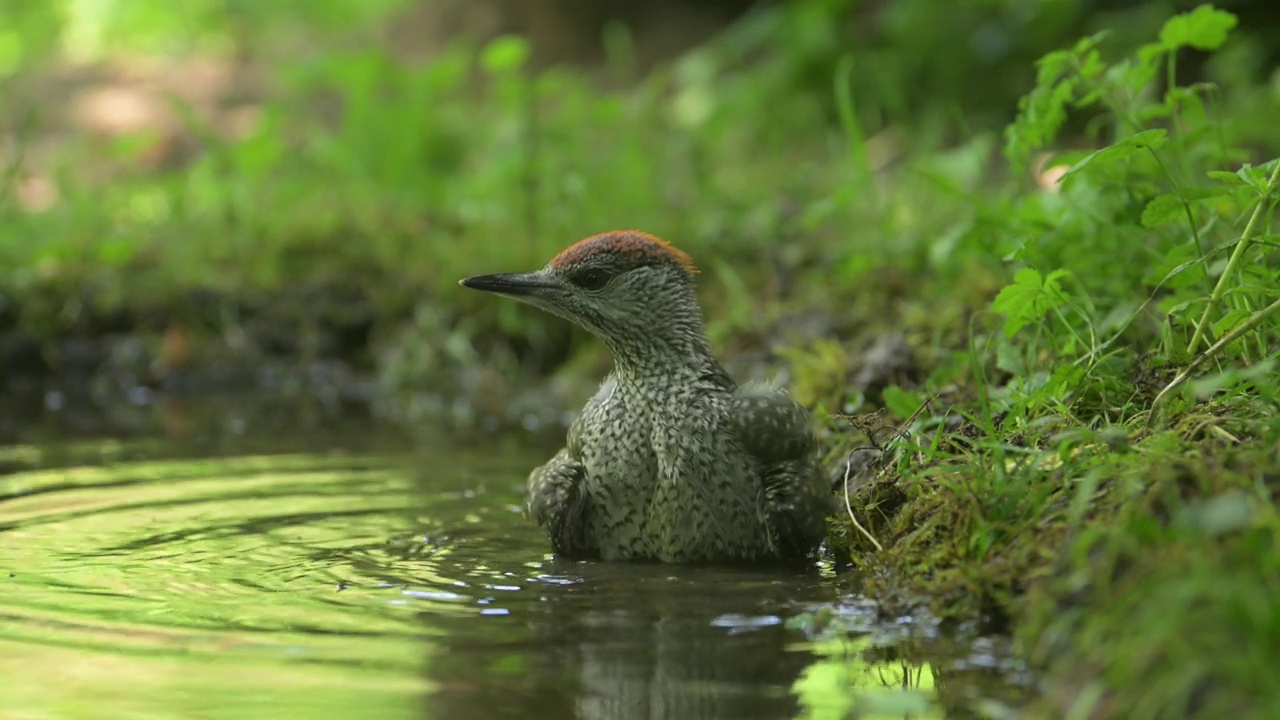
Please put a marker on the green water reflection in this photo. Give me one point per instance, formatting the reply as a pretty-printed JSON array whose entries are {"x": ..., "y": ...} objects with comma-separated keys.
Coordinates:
[{"x": 389, "y": 585}]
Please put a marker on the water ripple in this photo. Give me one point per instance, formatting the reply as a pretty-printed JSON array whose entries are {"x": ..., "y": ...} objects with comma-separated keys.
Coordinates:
[{"x": 334, "y": 585}]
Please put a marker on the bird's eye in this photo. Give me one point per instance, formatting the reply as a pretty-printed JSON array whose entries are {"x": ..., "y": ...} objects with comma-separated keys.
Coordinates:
[{"x": 591, "y": 279}]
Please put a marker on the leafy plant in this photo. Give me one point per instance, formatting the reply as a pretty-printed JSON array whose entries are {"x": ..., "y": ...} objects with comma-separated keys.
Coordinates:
[{"x": 1154, "y": 210}]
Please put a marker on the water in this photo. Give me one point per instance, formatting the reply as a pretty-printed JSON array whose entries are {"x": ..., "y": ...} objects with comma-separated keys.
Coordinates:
[{"x": 351, "y": 573}]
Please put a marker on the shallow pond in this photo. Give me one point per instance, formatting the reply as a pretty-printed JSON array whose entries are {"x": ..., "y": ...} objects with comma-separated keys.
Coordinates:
[{"x": 343, "y": 570}]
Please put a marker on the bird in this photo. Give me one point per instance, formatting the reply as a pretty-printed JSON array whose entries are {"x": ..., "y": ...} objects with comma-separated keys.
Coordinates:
[{"x": 671, "y": 460}]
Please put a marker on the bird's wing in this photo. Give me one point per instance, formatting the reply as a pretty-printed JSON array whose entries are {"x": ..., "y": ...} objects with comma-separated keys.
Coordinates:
[
  {"x": 794, "y": 494},
  {"x": 772, "y": 426},
  {"x": 558, "y": 499}
]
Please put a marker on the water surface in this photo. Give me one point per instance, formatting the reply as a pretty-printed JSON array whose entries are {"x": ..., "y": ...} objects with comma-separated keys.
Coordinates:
[{"x": 351, "y": 572}]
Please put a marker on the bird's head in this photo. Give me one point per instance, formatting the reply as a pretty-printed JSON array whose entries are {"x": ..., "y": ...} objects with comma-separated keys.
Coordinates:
[{"x": 632, "y": 289}]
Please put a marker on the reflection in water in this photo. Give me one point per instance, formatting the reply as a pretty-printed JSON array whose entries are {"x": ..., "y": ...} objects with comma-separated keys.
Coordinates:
[
  {"x": 604, "y": 641},
  {"x": 369, "y": 586}
]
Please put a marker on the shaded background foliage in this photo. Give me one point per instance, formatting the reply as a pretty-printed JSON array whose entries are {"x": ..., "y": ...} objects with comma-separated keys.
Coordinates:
[{"x": 292, "y": 181}]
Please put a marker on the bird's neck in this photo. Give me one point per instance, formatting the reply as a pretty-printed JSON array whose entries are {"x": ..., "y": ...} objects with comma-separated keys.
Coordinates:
[{"x": 679, "y": 351}]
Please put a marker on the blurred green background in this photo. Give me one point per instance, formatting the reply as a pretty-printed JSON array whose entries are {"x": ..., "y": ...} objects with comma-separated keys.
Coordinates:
[{"x": 231, "y": 182}]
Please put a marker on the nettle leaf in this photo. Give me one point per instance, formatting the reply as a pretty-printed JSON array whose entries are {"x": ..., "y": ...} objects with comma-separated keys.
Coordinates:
[
  {"x": 1030, "y": 298},
  {"x": 1204, "y": 28},
  {"x": 1161, "y": 210},
  {"x": 1112, "y": 154}
]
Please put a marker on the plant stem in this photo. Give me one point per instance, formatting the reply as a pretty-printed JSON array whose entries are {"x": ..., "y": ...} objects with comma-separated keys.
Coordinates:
[
  {"x": 1258, "y": 211},
  {"x": 1253, "y": 321}
]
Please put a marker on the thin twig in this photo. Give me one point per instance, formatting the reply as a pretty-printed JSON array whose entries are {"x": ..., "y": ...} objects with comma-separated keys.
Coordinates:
[
  {"x": 848, "y": 468},
  {"x": 898, "y": 433}
]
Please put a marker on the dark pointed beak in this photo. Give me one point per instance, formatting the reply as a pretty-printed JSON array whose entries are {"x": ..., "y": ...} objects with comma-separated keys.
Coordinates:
[{"x": 514, "y": 284}]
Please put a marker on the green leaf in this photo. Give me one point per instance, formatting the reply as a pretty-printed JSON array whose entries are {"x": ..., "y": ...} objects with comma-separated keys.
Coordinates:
[
  {"x": 1031, "y": 297},
  {"x": 1161, "y": 210},
  {"x": 1255, "y": 177},
  {"x": 1192, "y": 194},
  {"x": 505, "y": 54},
  {"x": 902, "y": 403},
  {"x": 1227, "y": 177},
  {"x": 1171, "y": 270},
  {"x": 1009, "y": 359},
  {"x": 1041, "y": 114},
  {"x": 1064, "y": 381},
  {"x": 1231, "y": 378},
  {"x": 1230, "y": 321},
  {"x": 1135, "y": 73},
  {"x": 1204, "y": 28},
  {"x": 1187, "y": 98},
  {"x": 1147, "y": 139}
]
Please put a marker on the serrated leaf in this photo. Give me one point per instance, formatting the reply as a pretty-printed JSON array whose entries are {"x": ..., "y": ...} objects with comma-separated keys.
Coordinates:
[
  {"x": 1136, "y": 74},
  {"x": 1041, "y": 114},
  {"x": 1053, "y": 287},
  {"x": 1204, "y": 28},
  {"x": 1051, "y": 67},
  {"x": 1161, "y": 210},
  {"x": 1147, "y": 139},
  {"x": 902, "y": 403},
  {"x": 1015, "y": 301},
  {"x": 1255, "y": 177},
  {"x": 1029, "y": 298}
]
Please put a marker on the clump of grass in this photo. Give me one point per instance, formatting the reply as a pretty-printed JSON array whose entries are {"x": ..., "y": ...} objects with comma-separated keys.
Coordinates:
[
  {"x": 1097, "y": 466},
  {"x": 1167, "y": 607}
]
